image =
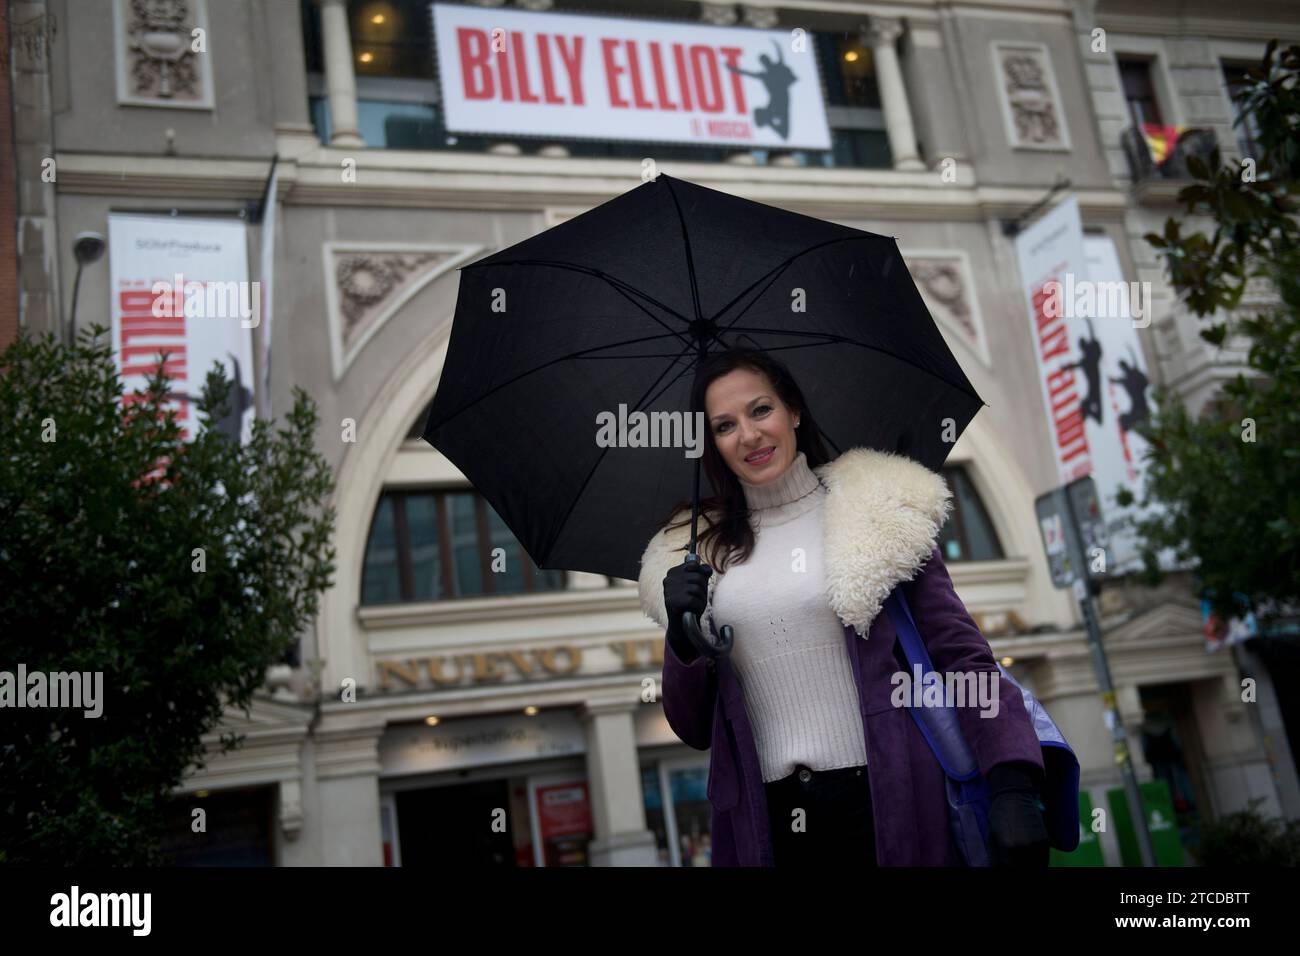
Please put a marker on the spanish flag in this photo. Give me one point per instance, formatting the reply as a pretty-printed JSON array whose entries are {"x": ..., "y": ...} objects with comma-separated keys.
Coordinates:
[{"x": 1161, "y": 140}]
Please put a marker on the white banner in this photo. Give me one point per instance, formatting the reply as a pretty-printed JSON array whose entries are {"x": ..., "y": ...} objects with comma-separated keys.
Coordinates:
[
  {"x": 181, "y": 285},
  {"x": 1085, "y": 320},
  {"x": 567, "y": 75}
]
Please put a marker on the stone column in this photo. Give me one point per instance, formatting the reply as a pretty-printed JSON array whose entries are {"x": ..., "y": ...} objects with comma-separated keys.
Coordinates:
[
  {"x": 614, "y": 782},
  {"x": 340, "y": 80},
  {"x": 345, "y": 826},
  {"x": 881, "y": 34}
]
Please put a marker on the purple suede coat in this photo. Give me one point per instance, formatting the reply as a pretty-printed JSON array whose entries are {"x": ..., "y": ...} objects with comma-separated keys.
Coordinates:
[{"x": 704, "y": 704}]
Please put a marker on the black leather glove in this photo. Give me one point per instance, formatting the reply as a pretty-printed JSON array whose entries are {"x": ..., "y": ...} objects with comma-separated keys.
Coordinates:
[
  {"x": 1017, "y": 833},
  {"x": 686, "y": 588}
]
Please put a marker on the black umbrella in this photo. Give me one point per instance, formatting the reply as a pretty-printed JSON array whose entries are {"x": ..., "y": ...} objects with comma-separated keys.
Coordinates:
[{"x": 607, "y": 314}]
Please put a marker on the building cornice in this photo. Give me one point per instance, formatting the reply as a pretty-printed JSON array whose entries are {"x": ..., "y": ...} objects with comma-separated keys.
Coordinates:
[
  {"x": 1240, "y": 28},
  {"x": 403, "y": 179}
]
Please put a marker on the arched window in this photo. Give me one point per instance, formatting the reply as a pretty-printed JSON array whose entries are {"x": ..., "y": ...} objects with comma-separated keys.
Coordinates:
[
  {"x": 969, "y": 535},
  {"x": 437, "y": 544}
]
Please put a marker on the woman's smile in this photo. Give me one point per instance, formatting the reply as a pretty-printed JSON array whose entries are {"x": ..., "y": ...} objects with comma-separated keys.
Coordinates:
[{"x": 761, "y": 457}]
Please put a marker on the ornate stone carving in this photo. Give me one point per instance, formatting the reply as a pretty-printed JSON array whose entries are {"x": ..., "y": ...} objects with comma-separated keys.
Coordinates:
[
  {"x": 947, "y": 286},
  {"x": 760, "y": 18},
  {"x": 368, "y": 283},
  {"x": 365, "y": 281},
  {"x": 1030, "y": 96},
  {"x": 881, "y": 30},
  {"x": 941, "y": 281},
  {"x": 30, "y": 41},
  {"x": 719, "y": 14},
  {"x": 161, "y": 63}
]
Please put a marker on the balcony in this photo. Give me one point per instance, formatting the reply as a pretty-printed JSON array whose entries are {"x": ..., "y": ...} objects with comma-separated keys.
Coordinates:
[{"x": 1157, "y": 158}]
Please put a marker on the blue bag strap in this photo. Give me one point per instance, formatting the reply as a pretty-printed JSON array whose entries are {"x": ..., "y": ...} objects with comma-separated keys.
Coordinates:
[
  {"x": 938, "y": 725},
  {"x": 943, "y": 734}
]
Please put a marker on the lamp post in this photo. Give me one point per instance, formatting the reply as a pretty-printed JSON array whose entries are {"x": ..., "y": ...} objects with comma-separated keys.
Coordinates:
[{"x": 87, "y": 247}]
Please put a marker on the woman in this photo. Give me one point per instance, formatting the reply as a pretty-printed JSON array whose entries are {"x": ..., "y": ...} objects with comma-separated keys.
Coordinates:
[{"x": 810, "y": 761}]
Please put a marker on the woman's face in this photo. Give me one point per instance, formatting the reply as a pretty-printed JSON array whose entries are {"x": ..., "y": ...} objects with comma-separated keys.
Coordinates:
[{"x": 752, "y": 427}]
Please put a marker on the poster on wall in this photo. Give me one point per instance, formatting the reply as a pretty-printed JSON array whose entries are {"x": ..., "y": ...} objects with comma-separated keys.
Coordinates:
[
  {"x": 180, "y": 286},
  {"x": 568, "y": 75},
  {"x": 564, "y": 823},
  {"x": 1085, "y": 321}
]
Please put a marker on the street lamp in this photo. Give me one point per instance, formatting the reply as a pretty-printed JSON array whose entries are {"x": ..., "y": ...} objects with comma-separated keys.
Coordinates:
[{"x": 87, "y": 247}]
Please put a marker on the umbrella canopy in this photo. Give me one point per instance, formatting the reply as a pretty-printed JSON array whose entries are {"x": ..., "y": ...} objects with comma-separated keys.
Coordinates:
[{"x": 606, "y": 315}]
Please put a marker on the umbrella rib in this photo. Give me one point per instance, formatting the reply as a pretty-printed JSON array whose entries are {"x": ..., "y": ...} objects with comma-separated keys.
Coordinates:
[
  {"x": 776, "y": 271},
  {"x": 686, "y": 240},
  {"x": 831, "y": 338},
  {"x": 568, "y": 355},
  {"x": 685, "y": 369},
  {"x": 618, "y": 284},
  {"x": 601, "y": 457}
]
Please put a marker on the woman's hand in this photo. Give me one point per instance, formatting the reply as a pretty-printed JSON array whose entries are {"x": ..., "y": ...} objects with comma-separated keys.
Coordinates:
[
  {"x": 686, "y": 588},
  {"x": 1017, "y": 833}
]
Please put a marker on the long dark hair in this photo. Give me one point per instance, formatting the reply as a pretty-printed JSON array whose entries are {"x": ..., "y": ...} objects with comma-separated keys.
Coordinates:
[{"x": 731, "y": 534}]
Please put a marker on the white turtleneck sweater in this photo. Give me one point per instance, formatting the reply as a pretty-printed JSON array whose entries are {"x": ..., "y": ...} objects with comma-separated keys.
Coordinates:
[{"x": 789, "y": 652}]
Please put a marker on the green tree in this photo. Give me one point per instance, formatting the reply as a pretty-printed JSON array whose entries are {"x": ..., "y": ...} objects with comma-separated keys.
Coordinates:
[
  {"x": 1227, "y": 480},
  {"x": 180, "y": 570}
]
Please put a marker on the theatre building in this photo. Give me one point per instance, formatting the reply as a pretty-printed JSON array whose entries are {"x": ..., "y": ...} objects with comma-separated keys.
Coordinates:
[{"x": 454, "y": 704}]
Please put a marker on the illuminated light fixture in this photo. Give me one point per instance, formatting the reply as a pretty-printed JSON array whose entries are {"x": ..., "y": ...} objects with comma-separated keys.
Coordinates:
[
  {"x": 530, "y": 710},
  {"x": 851, "y": 56},
  {"x": 433, "y": 721},
  {"x": 1008, "y": 661},
  {"x": 366, "y": 57},
  {"x": 377, "y": 18}
]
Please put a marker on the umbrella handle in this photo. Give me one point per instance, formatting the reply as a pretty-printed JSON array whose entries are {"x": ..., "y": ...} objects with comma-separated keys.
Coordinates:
[{"x": 691, "y": 625}]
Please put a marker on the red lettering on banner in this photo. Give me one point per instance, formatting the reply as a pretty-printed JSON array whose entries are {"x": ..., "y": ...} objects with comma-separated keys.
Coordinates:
[
  {"x": 475, "y": 74},
  {"x": 661, "y": 88},
  {"x": 634, "y": 67},
  {"x": 612, "y": 73},
  {"x": 1068, "y": 424},
  {"x": 160, "y": 317},
  {"x": 503, "y": 75},
  {"x": 573, "y": 65},
  {"x": 639, "y": 74},
  {"x": 548, "y": 79},
  {"x": 710, "y": 96},
  {"x": 683, "y": 84},
  {"x": 731, "y": 54},
  {"x": 525, "y": 94}
]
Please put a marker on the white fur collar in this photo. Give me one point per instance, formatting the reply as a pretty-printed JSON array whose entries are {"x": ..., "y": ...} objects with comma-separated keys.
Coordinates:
[{"x": 882, "y": 516}]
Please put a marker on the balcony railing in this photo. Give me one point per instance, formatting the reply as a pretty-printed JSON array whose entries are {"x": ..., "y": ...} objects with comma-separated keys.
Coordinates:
[{"x": 1161, "y": 153}]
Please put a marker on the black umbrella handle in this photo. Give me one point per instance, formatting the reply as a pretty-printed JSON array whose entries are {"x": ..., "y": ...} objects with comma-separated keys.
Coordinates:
[{"x": 691, "y": 625}]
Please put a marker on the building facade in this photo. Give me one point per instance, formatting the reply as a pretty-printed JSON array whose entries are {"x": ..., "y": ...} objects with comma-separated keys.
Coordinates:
[{"x": 443, "y": 712}]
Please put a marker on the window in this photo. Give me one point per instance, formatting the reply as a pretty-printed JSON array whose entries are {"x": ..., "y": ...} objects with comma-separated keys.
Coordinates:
[
  {"x": 1140, "y": 92},
  {"x": 969, "y": 534},
  {"x": 849, "y": 67},
  {"x": 1247, "y": 132},
  {"x": 432, "y": 545},
  {"x": 391, "y": 37}
]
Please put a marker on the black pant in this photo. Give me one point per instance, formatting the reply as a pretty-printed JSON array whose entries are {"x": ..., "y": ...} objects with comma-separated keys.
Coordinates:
[{"x": 838, "y": 825}]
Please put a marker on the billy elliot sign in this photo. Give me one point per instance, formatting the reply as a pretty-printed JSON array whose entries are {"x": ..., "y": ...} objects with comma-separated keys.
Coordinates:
[{"x": 566, "y": 75}]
